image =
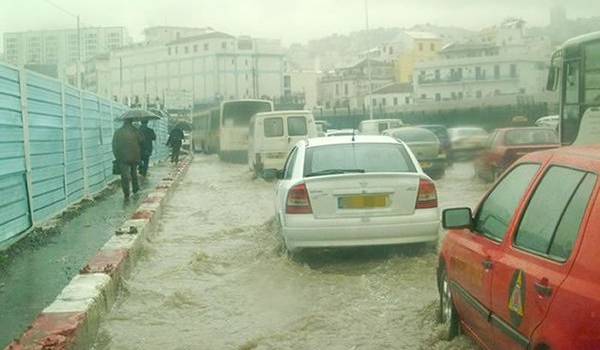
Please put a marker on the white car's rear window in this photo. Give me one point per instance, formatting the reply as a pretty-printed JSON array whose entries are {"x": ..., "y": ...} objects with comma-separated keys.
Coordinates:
[{"x": 357, "y": 157}]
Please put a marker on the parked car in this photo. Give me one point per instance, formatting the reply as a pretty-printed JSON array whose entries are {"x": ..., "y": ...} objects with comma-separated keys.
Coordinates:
[
  {"x": 377, "y": 126},
  {"x": 467, "y": 141},
  {"x": 337, "y": 191},
  {"x": 522, "y": 273},
  {"x": 425, "y": 146},
  {"x": 342, "y": 132},
  {"x": 322, "y": 127},
  {"x": 505, "y": 146},
  {"x": 271, "y": 136},
  {"x": 550, "y": 121},
  {"x": 442, "y": 134}
]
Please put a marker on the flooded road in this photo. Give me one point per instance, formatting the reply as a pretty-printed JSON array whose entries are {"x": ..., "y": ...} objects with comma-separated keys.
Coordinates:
[{"x": 215, "y": 277}]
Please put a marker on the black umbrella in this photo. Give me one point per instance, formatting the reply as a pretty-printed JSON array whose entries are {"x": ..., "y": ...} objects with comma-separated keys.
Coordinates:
[{"x": 138, "y": 115}]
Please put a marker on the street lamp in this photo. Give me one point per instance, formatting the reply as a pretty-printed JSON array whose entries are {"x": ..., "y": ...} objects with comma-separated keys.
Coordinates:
[{"x": 370, "y": 99}]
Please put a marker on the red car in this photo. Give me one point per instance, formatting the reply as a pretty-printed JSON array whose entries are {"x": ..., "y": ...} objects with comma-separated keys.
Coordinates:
[
  {"x": 505, "y": 146},
  {"x": 524, "y": 271}
]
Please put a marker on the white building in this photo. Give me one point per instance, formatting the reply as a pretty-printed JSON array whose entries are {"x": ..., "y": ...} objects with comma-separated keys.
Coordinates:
[
  {"x": 96, "y": 76},
  {"x": 347, "y": 86},
  {"x": 393, "y": 95},
  {"x": 212, "y": 66},
  {"x": 60, "y": 47},
  {"x": 166, "y": 34},
  {"x": 500, "y": 61},
  {"x": 305, "y": 84}
]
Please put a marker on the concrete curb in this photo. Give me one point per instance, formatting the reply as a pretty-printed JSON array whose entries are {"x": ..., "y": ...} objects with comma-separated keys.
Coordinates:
[{"x": 73, "y": 318}]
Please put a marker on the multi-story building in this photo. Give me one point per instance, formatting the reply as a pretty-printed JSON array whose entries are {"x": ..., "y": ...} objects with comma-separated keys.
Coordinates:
[
  {"x": 305, "y": 84},
  {"x": 418, "y": 47},
  {"x": 394, "y": 95},
  {"x": 96, "y": 75},
  {"x": 211, "y": 66},
  {"x": 499, "y": 61},
  {"x": 347, "y": 86},
  {"x": 60, "y": 47}
]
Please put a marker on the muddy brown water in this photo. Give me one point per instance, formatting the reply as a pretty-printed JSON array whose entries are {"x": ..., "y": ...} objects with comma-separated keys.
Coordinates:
[{"x": 215, "y": 276}]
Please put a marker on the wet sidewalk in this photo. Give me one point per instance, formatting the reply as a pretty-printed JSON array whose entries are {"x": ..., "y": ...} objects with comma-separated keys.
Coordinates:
[{"x": 37, "y": 269}]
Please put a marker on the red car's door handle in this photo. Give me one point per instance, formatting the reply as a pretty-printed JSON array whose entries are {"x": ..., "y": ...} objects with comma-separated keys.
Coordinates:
[
  {"x": 543, "y": 289},
  {"x": 487, "y": 264}
]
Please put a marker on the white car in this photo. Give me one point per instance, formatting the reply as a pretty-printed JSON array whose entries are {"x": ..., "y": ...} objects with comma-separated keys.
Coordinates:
[{"x": 355, "y": 191}]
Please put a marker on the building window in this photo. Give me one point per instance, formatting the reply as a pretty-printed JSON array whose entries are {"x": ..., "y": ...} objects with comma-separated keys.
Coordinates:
[
  {"x": 206, "y": 47},
  {"x": 437, "y": 74},
  {"x": 420, "y": 46},
  {"x": 374, "y": 102},
  {"x": 454, "y": 95},
  {"x": 246, "y": 62},
  {"x": 407, "y": 100},
  {"x": 196, "y": 48},
  {"x": 424, "y": 96},
  {"x": 438, "y": 96},
  {"x": 176, "y": 49},
  {"x": 169, "y": 51},
  {"x": 223, "y": 45},
  {"x": 478, "y": 94},
  {"x": 432, "y": 46},
  {"x": 346, "y": 89},
  {"x": 497, "y": 72},
  {"x": 497, "y": 92},
  {"x": 513, "y": 71},
  {"x": 337, "y": 89},
  {"x": 522, "y": 91},
  {"x": 246, "y": 76},
  {"x": 383, "y": 101},
  {"x": 395, "y": 101},
  {"x": 186, "y": 49},
  {"x": 391, "y": 50},
  {"x": 478, "y": 73},
  {"x": 460, "y": 95}
]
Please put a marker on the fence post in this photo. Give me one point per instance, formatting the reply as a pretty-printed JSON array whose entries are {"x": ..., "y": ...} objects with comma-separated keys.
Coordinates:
[
  {"x": 26, "y": 145},
  {"x": 64, "y": 130},
  {"x": 83, "y": 153}
]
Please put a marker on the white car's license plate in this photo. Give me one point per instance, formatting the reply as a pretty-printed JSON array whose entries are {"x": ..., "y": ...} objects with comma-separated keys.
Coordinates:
[{"x": 363, "y": 202}]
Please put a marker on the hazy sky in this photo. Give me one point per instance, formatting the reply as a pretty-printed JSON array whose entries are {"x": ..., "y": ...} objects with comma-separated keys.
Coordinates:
[{"x": 289, "y": 20}]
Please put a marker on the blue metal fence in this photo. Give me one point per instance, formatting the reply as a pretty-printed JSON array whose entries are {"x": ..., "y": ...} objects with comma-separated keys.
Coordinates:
[{"x": 55, "y": 148}]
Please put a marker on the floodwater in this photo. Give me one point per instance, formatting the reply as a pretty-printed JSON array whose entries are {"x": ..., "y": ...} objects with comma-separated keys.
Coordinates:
[
  {"x": 214, "y": 276},
  {"x": 39, "y": 267}
]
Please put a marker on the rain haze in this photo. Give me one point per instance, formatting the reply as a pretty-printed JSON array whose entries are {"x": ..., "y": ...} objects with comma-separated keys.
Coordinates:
[
  {"x": 317, "y": 174},
  {"x": 291, "y": 21}
]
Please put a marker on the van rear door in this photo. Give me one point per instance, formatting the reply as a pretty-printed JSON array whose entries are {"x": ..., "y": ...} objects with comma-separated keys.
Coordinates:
[
  {"x": 274, "y": 145},
  {"x": 297, "y": 129}
]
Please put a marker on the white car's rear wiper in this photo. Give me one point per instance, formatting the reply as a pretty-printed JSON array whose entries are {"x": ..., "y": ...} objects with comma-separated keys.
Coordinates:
[{"x": 334, "y": 171}]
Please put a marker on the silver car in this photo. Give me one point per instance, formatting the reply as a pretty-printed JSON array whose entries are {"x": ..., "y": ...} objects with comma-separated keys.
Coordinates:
[{"x": 425, "y": 146}]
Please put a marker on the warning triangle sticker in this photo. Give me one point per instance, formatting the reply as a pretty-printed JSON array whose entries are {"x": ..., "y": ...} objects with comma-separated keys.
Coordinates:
[{"x": 515, "y": 302}]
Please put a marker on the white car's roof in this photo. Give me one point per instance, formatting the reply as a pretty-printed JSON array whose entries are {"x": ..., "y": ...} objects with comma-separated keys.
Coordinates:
[{"x": 325, "y": 141}]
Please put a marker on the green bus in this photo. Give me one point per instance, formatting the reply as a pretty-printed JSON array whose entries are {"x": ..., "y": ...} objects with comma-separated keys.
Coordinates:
[{"x": 575, "y": 74}]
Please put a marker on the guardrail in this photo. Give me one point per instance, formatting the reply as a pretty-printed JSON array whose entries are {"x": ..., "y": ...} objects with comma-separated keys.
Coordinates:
[{"x": 55, "y": 148}]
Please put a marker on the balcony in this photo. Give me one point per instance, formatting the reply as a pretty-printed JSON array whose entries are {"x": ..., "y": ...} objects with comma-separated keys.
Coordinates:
[{"x": 465, "y": 80}]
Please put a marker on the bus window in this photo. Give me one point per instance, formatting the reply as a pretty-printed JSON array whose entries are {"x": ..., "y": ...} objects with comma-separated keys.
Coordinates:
[
  {"x": 571, "y": 110},
  {"x": 592, "y": 74}
]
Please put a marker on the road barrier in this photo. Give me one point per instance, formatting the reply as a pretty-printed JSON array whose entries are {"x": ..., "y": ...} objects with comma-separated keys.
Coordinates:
[{"x": 55, "y": 148}]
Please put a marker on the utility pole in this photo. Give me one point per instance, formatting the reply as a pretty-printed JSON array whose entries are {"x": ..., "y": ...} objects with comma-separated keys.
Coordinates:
[
  {"x": 370, "y": 99},
  {"x": 78, "y": 53}
]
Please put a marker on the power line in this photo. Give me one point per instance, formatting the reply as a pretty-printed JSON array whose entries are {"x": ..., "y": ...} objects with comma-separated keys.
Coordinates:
[{"x": 60, "y": 8}]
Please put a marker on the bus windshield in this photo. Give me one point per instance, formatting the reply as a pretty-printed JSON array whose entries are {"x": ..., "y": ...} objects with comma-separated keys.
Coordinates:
[{"x": 238, "y": 113}]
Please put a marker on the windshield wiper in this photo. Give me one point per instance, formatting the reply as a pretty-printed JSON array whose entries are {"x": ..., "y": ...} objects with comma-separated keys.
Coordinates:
[{"x": 334, "y": 171}]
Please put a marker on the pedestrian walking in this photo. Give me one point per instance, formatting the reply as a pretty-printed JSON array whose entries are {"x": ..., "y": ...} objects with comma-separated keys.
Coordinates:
[
  {"x": 147, "y": 147},
  {"x": 175, "y": 140},
  {"x": 126, "y": 144}
]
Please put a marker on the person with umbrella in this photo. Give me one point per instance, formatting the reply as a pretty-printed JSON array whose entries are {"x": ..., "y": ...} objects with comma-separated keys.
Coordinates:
[
  {"x": 147, "y": 146},
  {"x": 127, "y": 149},
  {"x": 174, "y": 141}
]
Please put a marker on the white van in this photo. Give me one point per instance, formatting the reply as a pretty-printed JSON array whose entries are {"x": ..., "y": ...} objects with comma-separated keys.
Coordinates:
[
  {"x": 273, "y": 134},
  {"x": 377, "y": 126}
]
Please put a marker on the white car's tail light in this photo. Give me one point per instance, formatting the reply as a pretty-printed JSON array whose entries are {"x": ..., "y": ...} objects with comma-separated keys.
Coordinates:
[
  {"x": 427, "y": 197},
  {"x": 298, "y": 201}
]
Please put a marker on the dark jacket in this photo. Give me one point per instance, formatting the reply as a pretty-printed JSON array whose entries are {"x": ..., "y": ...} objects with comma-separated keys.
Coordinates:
[
  {"x": 127, "y": 144},
  {"x": 149, "y": 137},
  {"x": 175, "y": 137}
]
